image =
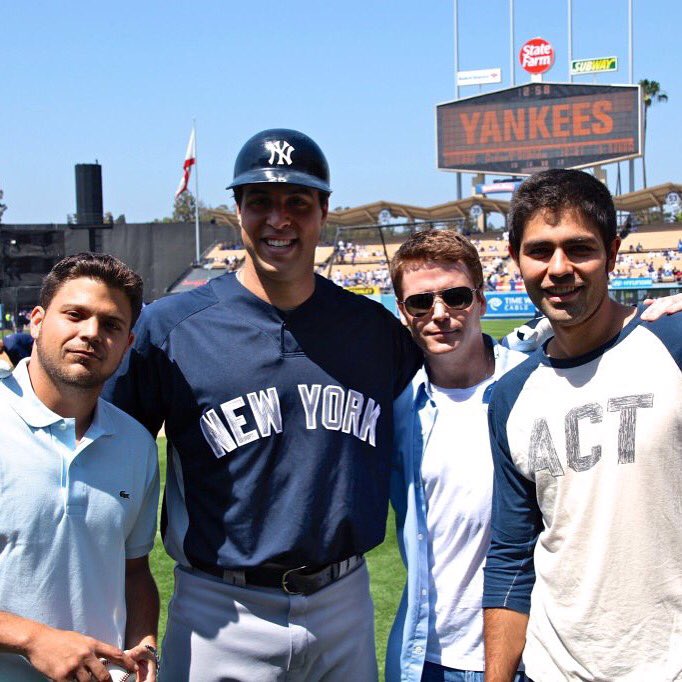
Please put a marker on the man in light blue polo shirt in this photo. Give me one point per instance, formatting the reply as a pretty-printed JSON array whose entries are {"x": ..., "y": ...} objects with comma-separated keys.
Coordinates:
[{"x": 78, "y": 489}]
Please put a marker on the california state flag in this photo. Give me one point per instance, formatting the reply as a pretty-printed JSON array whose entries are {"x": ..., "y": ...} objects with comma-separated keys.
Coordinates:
[{"x": 190, "y": 160}]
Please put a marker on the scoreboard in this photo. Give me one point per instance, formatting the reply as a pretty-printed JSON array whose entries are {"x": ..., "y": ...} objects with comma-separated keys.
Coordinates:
[{"x": 528, "y": 128}]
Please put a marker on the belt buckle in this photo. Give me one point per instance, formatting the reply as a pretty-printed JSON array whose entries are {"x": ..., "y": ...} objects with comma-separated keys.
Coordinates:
[{"x": 285, "y": 575}]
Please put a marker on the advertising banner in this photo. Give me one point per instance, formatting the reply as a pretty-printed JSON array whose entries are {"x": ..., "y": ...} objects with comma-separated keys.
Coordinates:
[
  {"x": 498, "y": 187},
  {"x": 536, "y": 56},
  {"x": 630, "y": 282},
  {"x": 479, "y": 77},
  {"x": 364, "y": 290},
  {"x": 596, "y": 65},
  {"x": 508, "y": 304}
]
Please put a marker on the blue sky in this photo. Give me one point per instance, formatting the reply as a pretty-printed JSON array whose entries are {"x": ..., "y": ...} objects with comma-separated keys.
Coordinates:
[{"x": 121, "y": 82}]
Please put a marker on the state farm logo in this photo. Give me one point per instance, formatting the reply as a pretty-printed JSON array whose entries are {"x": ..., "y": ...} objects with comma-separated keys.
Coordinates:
[{"x": 536, "y": 55}]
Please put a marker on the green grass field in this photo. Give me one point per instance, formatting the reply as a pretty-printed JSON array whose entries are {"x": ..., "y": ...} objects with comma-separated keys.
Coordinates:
[
  {"x": 385, "y": 566},
  {"x": 499, "y": 328}
]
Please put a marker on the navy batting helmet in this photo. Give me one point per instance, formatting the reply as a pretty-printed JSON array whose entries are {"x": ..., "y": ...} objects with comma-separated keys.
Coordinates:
[{"x": 281, "y": 155}]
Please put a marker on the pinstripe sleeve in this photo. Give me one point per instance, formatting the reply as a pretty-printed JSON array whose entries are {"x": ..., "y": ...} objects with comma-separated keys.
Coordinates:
[{"x": 516, "y": 518}]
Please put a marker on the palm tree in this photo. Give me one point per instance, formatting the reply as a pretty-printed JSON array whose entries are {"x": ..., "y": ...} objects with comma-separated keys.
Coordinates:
[{"x": 651, "y": 93}]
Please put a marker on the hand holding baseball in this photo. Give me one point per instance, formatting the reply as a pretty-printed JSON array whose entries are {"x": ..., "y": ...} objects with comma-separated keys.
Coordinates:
[
  {"x": 146, "y": 661},
  {"x": 65, "y": 656}
]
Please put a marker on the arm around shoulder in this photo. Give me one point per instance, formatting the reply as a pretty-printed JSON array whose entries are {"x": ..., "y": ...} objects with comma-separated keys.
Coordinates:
[
  {"x": 408, "y": 358},
  {"x": 657, "y": 307},
  {"x": 137, "y": 385}
]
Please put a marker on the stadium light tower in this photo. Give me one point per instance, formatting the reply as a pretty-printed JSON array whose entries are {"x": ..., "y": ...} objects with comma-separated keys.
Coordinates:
[
  {"x": 512, "y": 59},
  {"x": 570, "y": 40},
  {"x": 456, "y": 56},
  {"x": 631, "y": 163}
]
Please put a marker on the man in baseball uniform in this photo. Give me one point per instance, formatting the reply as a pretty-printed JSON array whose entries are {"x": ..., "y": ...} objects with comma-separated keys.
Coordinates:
[
  {"x": 78, "y": 489},
  {"x": 276, "y": 389},
  {"x": 584, "y": 571}
]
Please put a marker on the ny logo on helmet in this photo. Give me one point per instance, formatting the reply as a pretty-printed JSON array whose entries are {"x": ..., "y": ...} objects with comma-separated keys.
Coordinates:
[{"x": 283, "y": 150}]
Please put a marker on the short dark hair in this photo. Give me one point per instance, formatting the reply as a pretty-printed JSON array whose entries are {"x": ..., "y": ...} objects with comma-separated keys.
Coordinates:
[
  {"x": 101, "y": 266},
  {"x": 558, "y": 190},
  {"x": 439, "y": 246},
  {"x": 239, "y": 195}
]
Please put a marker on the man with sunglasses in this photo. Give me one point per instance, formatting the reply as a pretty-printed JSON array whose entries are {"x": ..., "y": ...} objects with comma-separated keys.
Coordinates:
[{"x": 442, "y": 477}]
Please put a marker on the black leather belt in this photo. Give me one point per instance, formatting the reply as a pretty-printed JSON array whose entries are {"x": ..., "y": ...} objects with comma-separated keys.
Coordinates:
[{"x": 302, "y": 580}]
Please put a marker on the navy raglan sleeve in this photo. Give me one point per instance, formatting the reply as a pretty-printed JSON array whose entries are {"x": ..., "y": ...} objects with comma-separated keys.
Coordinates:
[
  {"x": 136, "y": 387},
  {"x": 669, "y": 330},
  {"x": 509, "y": 573},
  {"x": 403, "y": 417}
]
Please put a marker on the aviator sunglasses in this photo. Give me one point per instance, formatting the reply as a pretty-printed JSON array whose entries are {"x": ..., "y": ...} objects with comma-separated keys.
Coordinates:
[{"x": 456, "y": 298}]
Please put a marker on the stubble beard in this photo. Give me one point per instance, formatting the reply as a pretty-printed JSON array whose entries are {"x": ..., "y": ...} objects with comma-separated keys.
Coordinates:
[
  {"x": 568, "y": 315},
  {"x": 59, "y": 375}
]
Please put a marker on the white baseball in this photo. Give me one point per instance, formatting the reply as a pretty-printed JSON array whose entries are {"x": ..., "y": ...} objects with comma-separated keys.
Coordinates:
[{"x": 119, "y": 674}]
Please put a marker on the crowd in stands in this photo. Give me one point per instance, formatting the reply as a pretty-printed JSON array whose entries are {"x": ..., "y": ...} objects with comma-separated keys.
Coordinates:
[
  {"x": 224, "y": 255},
  {"x": 378, "y": 277},
  {"x": 232, "y": 263},
  {"x": 228, "y": 246},
  {"x": 663, "y": 266},
  {"x": 499, "y": 270},
  {"x": 364, "y": 265},
  {"x": 348, "y": 252}
]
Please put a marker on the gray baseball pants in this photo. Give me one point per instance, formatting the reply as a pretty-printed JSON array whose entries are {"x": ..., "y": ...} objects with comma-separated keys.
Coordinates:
[{"x": 218, "y": 632}]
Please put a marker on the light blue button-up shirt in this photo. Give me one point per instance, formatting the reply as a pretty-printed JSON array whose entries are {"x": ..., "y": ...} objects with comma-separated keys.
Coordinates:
[{"x": 415, "y": 413}]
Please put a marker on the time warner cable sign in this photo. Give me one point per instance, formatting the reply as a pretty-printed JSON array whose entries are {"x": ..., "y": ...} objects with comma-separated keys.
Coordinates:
[
  {"x": 502, "y": 304},
  {"x": 528, "y": 128}
]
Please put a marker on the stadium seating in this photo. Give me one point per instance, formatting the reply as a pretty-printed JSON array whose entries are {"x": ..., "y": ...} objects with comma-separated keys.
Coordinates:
[
  {"x": 649, "y": 252},
  {"x": 657, "y": 249}
]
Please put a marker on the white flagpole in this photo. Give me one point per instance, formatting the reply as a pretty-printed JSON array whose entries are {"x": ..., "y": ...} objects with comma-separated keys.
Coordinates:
[{"x": 197, "y": 237}]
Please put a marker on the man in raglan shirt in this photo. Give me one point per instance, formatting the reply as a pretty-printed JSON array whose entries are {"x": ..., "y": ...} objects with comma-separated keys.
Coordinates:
[
  {"x": 276, "y": 389},
  {"x": 585, "y": 564}
]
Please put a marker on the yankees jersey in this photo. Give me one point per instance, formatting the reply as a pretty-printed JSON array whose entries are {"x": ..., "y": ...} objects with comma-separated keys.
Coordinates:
[
  {"x": 588, "y": 455},
  {"x": 279, "y": 425}
]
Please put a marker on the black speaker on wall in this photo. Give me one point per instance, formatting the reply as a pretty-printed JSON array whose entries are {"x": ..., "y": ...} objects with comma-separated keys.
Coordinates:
[{"x": 89, "y": 194}]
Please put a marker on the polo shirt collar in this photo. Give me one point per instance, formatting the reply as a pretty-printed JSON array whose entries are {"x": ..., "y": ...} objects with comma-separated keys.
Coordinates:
[
  {"x": 36, "y": 414},
  {"x": 102, "y": 424}
]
